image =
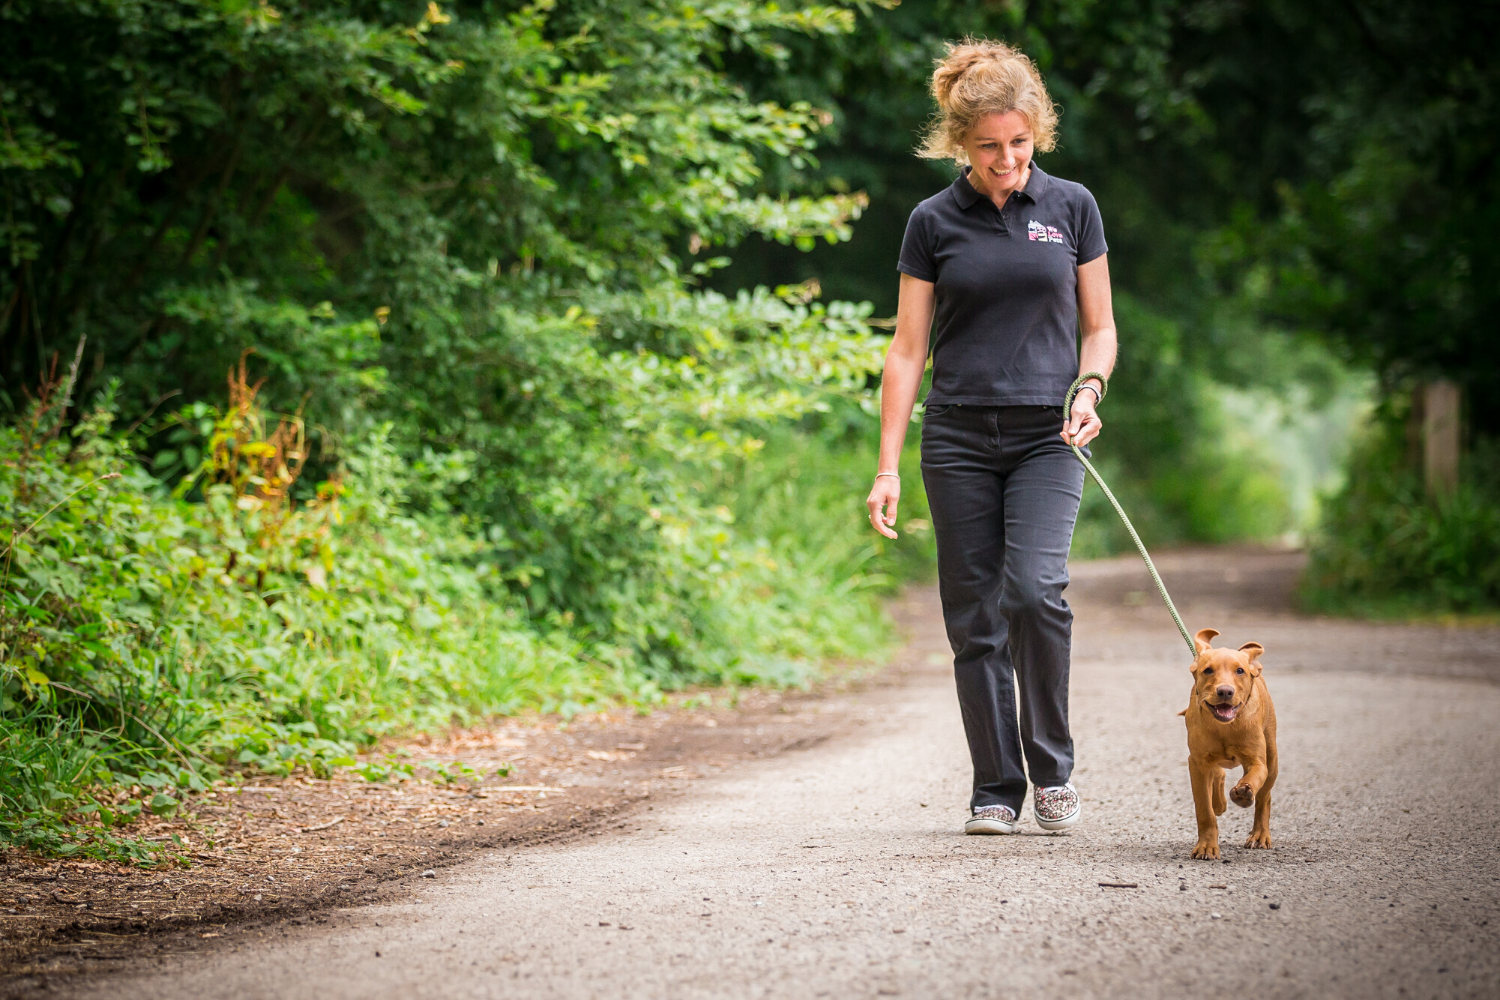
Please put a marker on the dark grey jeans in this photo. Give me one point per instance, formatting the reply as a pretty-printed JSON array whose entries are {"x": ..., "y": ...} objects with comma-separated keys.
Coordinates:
[{"x": 1004, "y": 492}]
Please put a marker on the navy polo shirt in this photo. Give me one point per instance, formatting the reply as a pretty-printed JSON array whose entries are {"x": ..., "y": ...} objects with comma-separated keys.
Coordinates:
[{"x": 1005, "y": 322}]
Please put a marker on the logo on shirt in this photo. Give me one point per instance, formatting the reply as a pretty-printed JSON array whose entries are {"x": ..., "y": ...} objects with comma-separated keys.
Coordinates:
[{"x": 1039, "y": 233}]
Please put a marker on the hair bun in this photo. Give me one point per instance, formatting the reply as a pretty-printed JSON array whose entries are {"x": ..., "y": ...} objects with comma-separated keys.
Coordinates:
[
  {"x": 979, "y": 77},
  {"x": 963, "y": 57}
]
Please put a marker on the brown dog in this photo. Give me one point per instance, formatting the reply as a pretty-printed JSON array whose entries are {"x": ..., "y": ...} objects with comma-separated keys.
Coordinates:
[{"x": 1230, "y": 723}]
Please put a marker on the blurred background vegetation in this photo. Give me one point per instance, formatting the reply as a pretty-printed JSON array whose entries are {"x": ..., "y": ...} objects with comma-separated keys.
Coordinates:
[{"x": 368, "y": 366}]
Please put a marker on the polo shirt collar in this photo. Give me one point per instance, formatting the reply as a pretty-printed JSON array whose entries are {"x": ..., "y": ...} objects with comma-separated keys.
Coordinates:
[{"x": 966, "y": 196}]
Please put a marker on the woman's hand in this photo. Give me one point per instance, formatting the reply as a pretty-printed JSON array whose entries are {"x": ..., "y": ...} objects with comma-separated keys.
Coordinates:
[
  {"x": 1083, "y": 423},
  {"x": 884, "y": 496}
]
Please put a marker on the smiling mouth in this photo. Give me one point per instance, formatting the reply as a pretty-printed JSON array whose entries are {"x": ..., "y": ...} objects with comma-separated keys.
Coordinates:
[{"x": 1224, "y": 713}]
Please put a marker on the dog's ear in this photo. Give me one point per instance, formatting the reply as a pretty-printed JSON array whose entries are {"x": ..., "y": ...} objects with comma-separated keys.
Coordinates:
[
  {"x": 1252, "y": 651},
  {"x": 1202, "y": 639}
]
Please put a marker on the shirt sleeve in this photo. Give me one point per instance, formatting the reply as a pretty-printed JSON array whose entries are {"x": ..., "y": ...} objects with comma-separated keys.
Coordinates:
[
  {"x": 1090, "y": 230},
  {"x": 917, "y": 251}
]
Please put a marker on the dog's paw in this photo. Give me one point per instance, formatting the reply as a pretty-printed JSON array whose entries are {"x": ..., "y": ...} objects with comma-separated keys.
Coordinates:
[
  {"x": 1206, "y": 850},
  {"x": 1260, "y": 839},
  {"x": 1242, "y": 795}
]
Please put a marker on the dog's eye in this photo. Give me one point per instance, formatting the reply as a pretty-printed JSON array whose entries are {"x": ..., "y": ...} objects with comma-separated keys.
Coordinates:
[{"x": 1239, "y": 670}]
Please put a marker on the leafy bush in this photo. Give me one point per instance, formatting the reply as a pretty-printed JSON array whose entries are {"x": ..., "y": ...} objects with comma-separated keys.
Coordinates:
[
  {"x": 151, "y": 640},
  {"x": 464, "y": 246},
  {"x": 1386, "y": 547}
]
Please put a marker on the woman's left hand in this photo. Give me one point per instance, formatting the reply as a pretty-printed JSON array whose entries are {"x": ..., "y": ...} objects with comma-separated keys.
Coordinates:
[{"x": 1083, "y": 423}]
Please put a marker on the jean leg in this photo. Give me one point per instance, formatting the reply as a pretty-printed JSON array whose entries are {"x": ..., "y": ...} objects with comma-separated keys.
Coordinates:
[
  {"x": 1042, "y": 493},
  {"x": 966, "y": 498}
]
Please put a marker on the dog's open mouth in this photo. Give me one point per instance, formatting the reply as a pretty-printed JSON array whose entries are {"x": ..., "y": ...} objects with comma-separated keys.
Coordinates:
[{"x": 1224, "y": 713}]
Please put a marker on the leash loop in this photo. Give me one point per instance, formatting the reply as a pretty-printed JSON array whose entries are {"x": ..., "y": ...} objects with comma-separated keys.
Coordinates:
[{"x": 1161, "y": 588}]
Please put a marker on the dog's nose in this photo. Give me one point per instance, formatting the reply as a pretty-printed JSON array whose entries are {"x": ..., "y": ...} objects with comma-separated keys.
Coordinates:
[{"x": 1225, "y": 691}]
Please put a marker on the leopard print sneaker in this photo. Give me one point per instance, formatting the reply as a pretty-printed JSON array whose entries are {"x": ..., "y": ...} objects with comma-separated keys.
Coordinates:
[
  {"x": 1056, "y": 808},
  {"x": 991, "y": 820}
]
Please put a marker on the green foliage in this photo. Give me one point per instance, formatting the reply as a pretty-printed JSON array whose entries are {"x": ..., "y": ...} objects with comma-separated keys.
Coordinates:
[
  {"x": 458, "y": 229},
  {"x": 801, "y": 500},
  {"x": 1170, "y": 453},
  {"x": 222, "y": 169},
  {"x": 478, "y": 455},
  {"x": 153, "y": 642},
  {"x": 1387, "y": 548},
  {"x": 1381, "y": 238}
]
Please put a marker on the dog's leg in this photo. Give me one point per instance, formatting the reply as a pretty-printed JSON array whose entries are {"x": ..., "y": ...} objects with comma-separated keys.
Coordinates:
[
  {"x": 1250, "y": 783},
  {"x": 1218, "y": 786},
  {"x": 1260, "y": 833},
  {"x": 1204, "y": 774}
]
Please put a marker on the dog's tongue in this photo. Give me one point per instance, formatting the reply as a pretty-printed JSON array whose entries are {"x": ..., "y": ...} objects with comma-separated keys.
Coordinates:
[{"x": 1224, "y": 712}]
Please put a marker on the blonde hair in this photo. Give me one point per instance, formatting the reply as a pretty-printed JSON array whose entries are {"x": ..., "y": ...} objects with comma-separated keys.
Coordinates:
[{"x": 979, "y": 77}]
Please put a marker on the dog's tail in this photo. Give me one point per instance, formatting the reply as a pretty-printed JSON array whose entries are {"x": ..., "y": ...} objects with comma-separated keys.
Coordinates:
[{"x": 1184, "y": 711}]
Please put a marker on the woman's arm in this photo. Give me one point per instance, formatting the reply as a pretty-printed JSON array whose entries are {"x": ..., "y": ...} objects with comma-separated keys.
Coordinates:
[
  {"x": 905, "y": 361},
  {"x": 1096, "y": 318}
]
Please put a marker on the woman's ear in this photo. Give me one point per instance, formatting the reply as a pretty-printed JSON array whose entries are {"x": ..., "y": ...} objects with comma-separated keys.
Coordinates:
[{"x": 1203, "y": 638}]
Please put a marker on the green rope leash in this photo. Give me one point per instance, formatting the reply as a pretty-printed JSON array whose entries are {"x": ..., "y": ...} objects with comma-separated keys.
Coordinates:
[{"x": 1161, "y": 588}]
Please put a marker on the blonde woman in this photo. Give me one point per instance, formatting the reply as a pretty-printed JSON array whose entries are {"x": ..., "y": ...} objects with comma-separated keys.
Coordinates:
[{"x": 1006, "y": 269}]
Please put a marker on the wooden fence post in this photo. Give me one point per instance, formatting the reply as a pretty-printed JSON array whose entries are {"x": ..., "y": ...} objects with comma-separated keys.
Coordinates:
[{"x": 1440, "y": 436}]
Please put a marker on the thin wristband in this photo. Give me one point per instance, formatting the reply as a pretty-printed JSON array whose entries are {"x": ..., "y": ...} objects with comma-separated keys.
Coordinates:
[
  {"x": 893, "y": 475},
  {"x": 1098, "y": 396},
  {"x": 1103, "y": 383}
]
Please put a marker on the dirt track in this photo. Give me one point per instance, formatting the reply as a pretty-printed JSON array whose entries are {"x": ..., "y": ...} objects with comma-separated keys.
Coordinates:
[{"x": 838, "y": 871}]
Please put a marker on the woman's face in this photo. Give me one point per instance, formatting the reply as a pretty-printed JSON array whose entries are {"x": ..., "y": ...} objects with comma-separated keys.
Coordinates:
[{"x": 999, "y": 149}]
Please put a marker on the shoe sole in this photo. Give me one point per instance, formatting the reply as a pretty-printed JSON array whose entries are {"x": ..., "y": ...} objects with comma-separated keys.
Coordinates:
[
  {"x": 988, "y": 827},
  {"x": 1053, "y": 825}
]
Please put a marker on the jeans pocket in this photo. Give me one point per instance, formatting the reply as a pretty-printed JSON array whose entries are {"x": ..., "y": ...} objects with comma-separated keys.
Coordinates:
[{"x": 936, "y": 410}]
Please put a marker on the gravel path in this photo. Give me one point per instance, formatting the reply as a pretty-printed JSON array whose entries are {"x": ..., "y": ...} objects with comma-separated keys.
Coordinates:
[{"x": 839, "y": 871}]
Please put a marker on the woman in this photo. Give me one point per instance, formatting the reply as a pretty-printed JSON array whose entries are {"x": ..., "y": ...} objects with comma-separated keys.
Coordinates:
[{"x": 1004, "y": 269}]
